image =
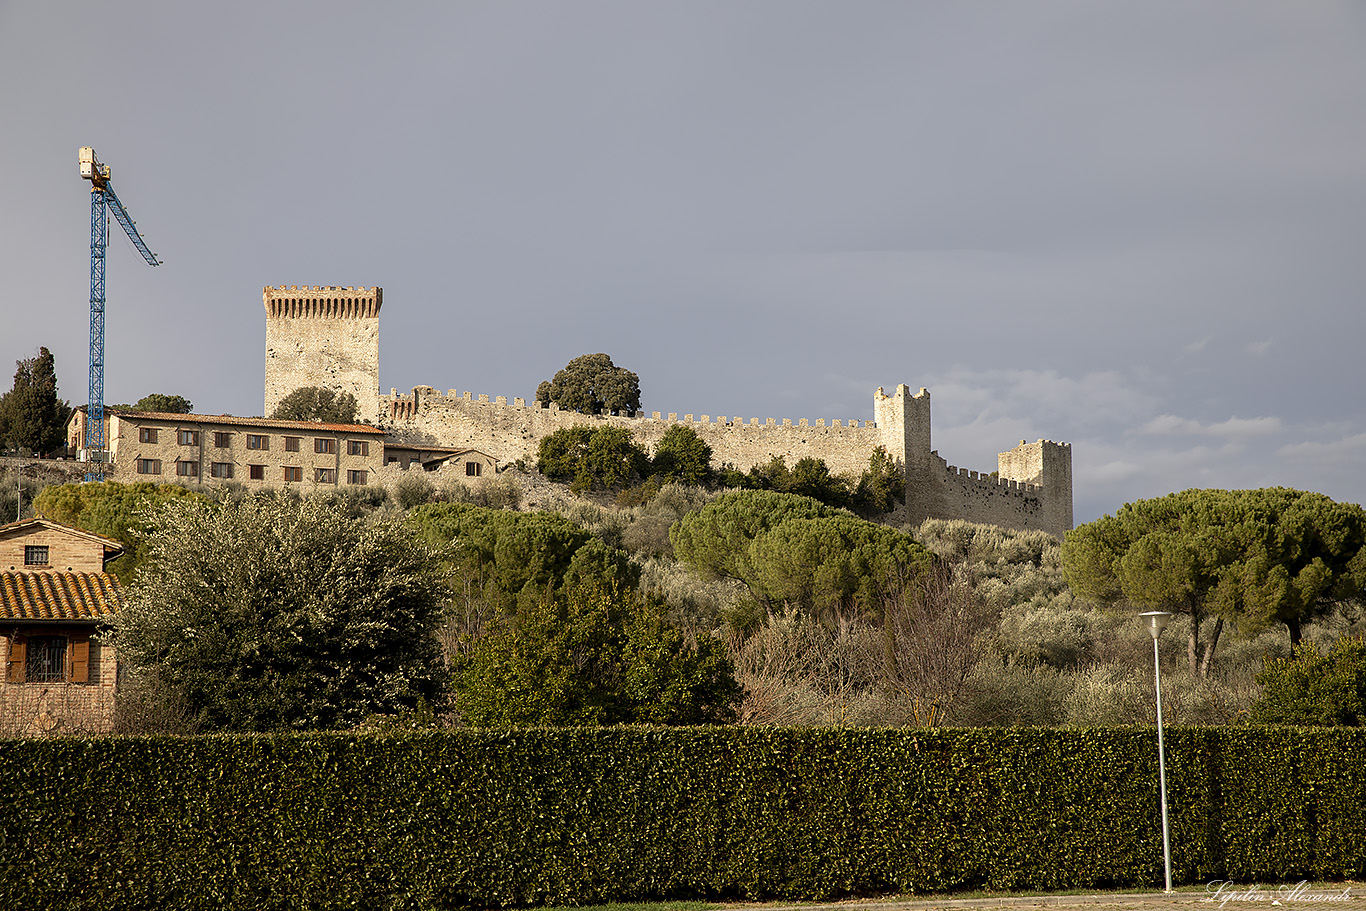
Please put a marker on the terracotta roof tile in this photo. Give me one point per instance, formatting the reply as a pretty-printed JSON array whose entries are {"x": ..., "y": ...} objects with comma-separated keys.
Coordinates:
[
  {"x": 58, "y": 596},
  {"x": 232, "y": 421}
]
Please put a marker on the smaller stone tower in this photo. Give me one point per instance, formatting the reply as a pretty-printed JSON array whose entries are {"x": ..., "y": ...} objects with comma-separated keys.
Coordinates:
[
  {"x": 323, "y": 336},
  {"x": 1048, "y": 465}
]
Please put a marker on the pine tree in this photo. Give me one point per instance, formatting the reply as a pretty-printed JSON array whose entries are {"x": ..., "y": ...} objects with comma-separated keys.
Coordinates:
[{"x": 31, "y": 415}]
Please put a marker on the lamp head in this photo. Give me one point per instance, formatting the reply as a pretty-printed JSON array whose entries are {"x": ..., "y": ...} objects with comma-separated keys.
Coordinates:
[{"x": 1155, "y": 621}]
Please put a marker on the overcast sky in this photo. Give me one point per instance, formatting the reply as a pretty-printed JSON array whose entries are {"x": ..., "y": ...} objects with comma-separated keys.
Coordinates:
[{"x": 1136, "y": 226}]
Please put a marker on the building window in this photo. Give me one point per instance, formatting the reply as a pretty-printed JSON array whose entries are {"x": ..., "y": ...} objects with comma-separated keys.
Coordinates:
[
  {"x": 187, "y": 437},
  {"x": 147, "y": 434},
  {"x": 149, "y": 466},
  {"x": 256, "y": 472},
  {"x": 326, "y": 447},
  {"x": 473, "y": 469},
  {"x": 221, "y": 440},
  {"x": 35, "y": 555},
  {"x": 45, "y": 660},
  {"x": 187, "y": 469},
  {"x": 257, "y": 441},
  {"x": 292, "y": 444},
  {"x": 358, "y": 447},
  {"x": 325, "y": 475},
  {"x": 293, "y": 474},
  {"x": 354, "y": 476},
  {"x": 220, "y": 470}
]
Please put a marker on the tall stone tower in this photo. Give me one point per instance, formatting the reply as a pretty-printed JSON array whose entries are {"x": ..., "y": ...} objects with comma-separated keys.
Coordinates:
[
  {"x": 1048, "y": 465},
  {"x": 323, "y": 337}
]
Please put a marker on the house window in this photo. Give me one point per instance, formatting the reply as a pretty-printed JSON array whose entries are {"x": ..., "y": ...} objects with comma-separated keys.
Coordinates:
[
  {"x": 220, "y": 470},
  {"x": 473, "y": 469},
  {"x": 187, "y": 469},
  {"x": 256, "y": 472},
  {"x": 327, "y": 447},
  {"x": 292, "y": 444},
  {"x": 147, "y": 434},
  {"x": 325, "y": 475},
  {"x": 45, "y": 661},
  {"x": 221, "y": 440},
  {"x": 149, "y": 466},
  {"x": 187, "y": 437},
  {"x": 293, "y": 474},
  {"x": 35, "y": 555},
  {"x": 354, "y": 476},
  {"x": 358, "y": 447},
  {"x": 257, "y": 441}
]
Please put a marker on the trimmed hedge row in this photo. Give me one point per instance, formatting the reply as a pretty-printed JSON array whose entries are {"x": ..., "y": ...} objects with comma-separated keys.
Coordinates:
[{"x": 526, "y": 817}]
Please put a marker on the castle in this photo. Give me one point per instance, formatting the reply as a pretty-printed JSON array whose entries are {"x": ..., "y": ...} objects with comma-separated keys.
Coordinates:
[{"x": 329, "y": 336}]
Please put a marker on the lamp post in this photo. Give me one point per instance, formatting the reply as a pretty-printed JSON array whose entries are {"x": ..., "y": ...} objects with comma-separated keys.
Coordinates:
[{"x": 1155, "y": 622}]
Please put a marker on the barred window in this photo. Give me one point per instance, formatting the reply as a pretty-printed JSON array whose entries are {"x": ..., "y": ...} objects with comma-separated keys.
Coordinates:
[
  {"x": 45, "y": 661},
  {"x": 35, "y": 555}
]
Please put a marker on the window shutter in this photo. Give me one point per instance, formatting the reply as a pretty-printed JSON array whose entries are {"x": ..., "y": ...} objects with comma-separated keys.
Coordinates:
[
  {"x": 80, "y": 660},
  {"x": 16, "y": 672}
]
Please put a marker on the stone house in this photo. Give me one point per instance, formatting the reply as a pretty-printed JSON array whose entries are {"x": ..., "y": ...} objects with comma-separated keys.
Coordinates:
[
  {"x": 199, "y": 449},
  {"x": 54, "y": 596},
  {"x": 465, "y": 463}
]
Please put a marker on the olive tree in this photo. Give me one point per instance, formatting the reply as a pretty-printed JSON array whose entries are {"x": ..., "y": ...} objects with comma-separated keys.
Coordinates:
[{"x": 277, "y": 613}]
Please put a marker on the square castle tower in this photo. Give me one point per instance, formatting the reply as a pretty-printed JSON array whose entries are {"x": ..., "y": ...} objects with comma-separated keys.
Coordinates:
[{"x": 323, "y": 336}]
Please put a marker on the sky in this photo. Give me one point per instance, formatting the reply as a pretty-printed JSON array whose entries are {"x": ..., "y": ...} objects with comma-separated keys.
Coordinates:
[{"x": 1136, "y": 227}]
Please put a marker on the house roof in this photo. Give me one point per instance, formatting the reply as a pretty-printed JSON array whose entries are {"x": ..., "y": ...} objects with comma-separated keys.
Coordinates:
[
  {"x": 227, "y": 419},
  {"x": 58, "y": 596},
  {"x": 112, "y": 548}
]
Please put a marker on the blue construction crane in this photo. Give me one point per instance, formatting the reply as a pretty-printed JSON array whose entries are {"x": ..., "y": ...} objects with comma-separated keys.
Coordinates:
[{"x": 102, "y": 199}]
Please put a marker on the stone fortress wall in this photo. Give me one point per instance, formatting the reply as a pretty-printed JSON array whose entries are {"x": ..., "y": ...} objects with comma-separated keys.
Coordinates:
[{"x": 336, "y": 345}]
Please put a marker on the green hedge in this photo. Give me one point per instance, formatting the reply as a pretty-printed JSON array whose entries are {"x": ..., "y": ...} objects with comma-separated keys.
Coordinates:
[{"x": 525, "y": 817}]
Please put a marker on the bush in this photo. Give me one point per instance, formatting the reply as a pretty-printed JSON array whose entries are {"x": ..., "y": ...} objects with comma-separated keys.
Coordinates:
[
  {"x": 1315, "y": 688},
  {"x": 592, "y": 458},
  {"x": 681, "y": 455}
]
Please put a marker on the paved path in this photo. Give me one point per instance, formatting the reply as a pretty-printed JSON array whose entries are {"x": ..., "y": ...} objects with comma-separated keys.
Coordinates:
[{"x": 1316, "y": 897}]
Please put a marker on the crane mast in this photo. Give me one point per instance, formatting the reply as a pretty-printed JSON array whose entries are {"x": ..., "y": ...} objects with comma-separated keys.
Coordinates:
[{"x": 103, "y": 200}]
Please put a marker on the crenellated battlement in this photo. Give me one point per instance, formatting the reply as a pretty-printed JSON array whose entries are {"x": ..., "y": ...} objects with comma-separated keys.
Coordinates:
[
  {"x": 409, "y": 406},
  {"x": 327, "y": 302}
]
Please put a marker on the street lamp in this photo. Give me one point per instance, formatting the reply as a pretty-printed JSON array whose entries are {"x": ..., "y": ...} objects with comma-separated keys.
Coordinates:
[{"x": 1155, "y": 622}]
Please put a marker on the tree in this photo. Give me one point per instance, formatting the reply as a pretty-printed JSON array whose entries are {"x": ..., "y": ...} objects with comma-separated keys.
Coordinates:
[
  {"x": 280, "y": 613},
  {"x": 31, "y": 415},
  {"x": 161, "y": 403},
  {"x": 681, "y": 455},
  {"x": 112, "y": 509},
  {"x": 594, "y": 656},
  {"x": 592, "y": 384},
  {"x": 882, "y": 485},
  {"x": 317, "y": 403},
  {"x": 1246, "y": 557},
  {"x": 592, "y": 458},
  {"x": 715, "y": 539},
  {"x": 1312, "y": 688}
]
